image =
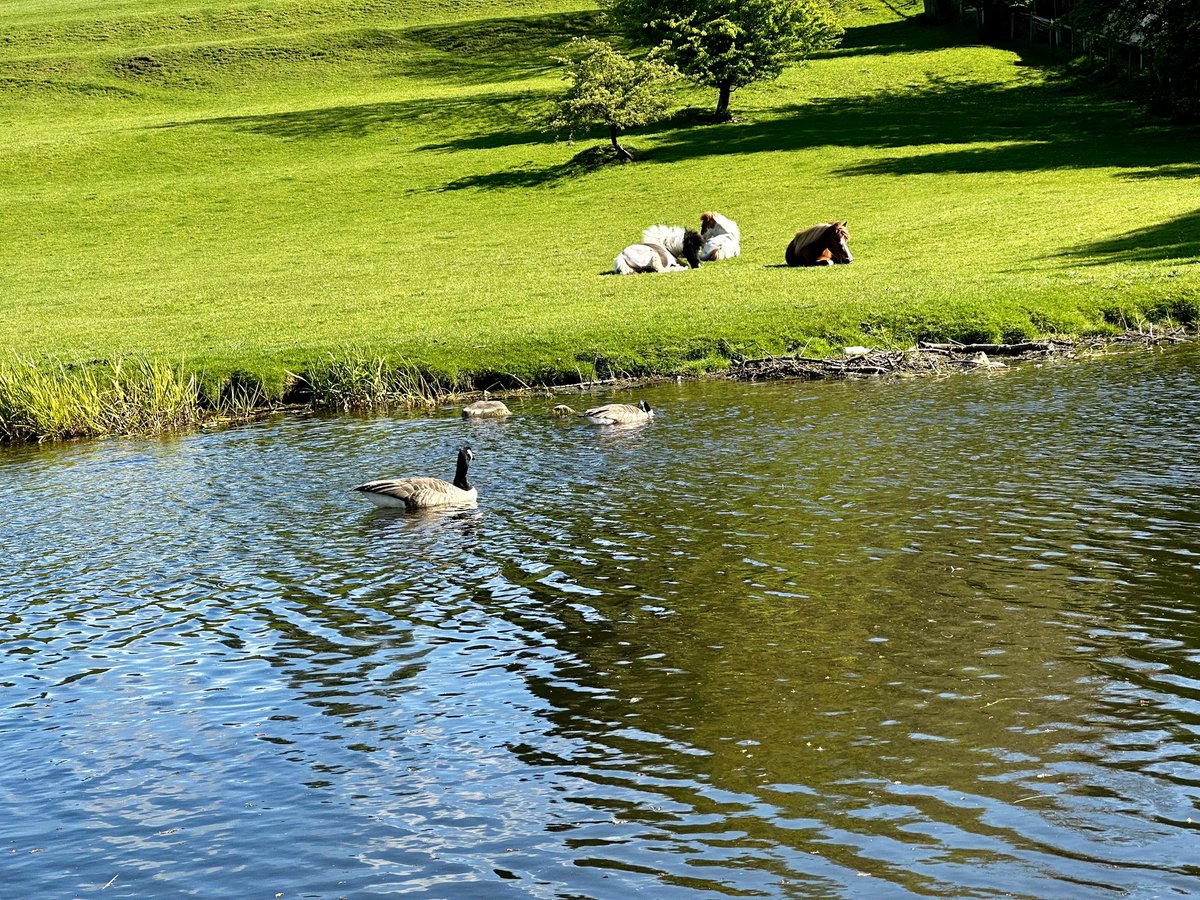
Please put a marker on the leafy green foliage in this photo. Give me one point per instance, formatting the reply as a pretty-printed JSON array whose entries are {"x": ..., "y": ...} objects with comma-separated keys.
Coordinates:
[
  {"x": 610, "y": 89},
  {"x": 1168, "y": 31},
  {"x": 728, "y": 44}
]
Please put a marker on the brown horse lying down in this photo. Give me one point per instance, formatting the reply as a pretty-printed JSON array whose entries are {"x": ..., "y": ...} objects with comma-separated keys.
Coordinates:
[{"x": 822, "y": 245}]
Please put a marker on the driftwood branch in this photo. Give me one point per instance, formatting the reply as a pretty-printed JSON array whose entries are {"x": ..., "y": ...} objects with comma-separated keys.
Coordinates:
[{"x": 1000, "y": 349}]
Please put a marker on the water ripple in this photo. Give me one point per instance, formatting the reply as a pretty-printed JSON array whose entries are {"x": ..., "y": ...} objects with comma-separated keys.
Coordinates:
[{"x": 785, "y": 640}]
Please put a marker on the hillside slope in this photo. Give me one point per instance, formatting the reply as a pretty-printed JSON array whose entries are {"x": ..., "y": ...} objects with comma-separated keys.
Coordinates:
[{"x": 254, "y": 186}]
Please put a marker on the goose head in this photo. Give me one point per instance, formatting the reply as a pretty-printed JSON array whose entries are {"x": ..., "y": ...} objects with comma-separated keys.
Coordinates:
[{"x": 465, "y": 455}]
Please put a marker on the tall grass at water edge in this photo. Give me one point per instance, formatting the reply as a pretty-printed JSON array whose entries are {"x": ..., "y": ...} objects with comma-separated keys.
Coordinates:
[
  {"x": 40, "y": 401},
  {"x": 355, "y": 379}
]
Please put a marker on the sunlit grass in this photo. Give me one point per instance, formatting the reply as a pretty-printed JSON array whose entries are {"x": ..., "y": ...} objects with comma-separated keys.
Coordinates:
[{"x": 256, "y": 189}]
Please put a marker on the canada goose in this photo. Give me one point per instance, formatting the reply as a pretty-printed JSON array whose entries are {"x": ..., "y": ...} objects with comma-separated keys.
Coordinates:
[
  {"x": 424, "y": 493},
  {"x": 618, "y": 414},
  {"x": 486, "y": 409},
  {"x": 562, "y": 410}
]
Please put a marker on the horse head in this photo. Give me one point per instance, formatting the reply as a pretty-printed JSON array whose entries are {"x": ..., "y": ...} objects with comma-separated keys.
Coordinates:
[
  {"x": 692, "y": 242},
  {"x": 837, "y": 240}
]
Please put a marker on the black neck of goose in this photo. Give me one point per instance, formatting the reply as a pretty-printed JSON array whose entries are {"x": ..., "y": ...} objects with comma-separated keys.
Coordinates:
[{"x": 460, "y": 474}]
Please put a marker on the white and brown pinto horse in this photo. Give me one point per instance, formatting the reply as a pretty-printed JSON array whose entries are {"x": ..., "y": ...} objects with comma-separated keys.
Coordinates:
[
  {"x": 824, "y": 244},
  {"x": 662, "y": 248},
  {"x": 722, "y": 237}
]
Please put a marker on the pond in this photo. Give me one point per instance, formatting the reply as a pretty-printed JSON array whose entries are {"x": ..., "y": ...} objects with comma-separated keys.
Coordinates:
[{"x": 935, "y": 637}]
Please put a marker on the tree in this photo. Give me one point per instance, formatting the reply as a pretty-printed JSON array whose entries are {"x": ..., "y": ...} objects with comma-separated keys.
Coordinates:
[
  {"x": 611, "y": 89},
  {"x": 1167, "y": 31},
  {"x": 728, "y": 44}
]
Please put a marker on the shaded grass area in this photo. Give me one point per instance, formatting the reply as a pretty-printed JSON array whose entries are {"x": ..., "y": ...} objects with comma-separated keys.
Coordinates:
[
  {"x": 1175, "y": 240},
  {"x": 257, "y": 190}
]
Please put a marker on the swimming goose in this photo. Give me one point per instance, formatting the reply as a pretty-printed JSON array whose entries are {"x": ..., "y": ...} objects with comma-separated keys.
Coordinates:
[
  {"x": 424, "y": 493},
  {"x": 618, "y": 414},
  {"x": 486, "y": 409}
]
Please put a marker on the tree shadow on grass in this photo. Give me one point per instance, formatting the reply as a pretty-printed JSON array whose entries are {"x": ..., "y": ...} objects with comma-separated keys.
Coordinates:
[
  {"x": 1039, "y": 126},
  {"x": 1034, "y": 127},
  {"x": 583, "y": 162},
  {"x": 889, "y": 38},
  {"x": 1166, "y": 171},
  {"x": 492, "y": 140},
  {"x": 1174, "y": 239},
  {"x": 516, "y": 39},
  {"x": 491, "y": 50},
  {"x": 362, "y": 119}
]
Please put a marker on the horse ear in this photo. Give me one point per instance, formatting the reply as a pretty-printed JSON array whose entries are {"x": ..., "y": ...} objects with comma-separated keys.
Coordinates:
[{"x": 846, "y": 224}]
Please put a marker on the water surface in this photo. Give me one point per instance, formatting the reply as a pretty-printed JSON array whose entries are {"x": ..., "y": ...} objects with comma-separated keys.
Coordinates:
[{"x": 789, "y": 639}]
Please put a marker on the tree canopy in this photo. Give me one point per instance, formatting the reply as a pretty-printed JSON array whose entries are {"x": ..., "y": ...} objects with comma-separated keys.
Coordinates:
[
  {"x": 728, "y": 44},
  {"x": 1168, "y": 32},
  {"x": 608, "y": 88}
]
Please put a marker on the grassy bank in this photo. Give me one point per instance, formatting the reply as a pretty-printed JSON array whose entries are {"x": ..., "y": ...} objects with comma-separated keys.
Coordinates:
[{"x": 249, "y": 190}]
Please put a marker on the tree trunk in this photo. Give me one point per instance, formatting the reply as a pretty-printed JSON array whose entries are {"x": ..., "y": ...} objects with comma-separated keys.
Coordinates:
[
  {"x": 939, "y": 10},
  {"x": 622, "y": 154},
  {"x": 995, "y": 22},
  {"x": 723, "y": 100}
]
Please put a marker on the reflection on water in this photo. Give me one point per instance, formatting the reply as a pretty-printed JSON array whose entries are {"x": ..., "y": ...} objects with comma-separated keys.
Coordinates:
[{"x": 784, "y": 640}]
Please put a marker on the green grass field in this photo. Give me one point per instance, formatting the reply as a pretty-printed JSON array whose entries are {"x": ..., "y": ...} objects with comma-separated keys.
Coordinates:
[{"x": 254, "y": 187}]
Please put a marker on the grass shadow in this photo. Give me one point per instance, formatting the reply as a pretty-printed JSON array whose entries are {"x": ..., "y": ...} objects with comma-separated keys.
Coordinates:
[
  {"x": 1085, "y": 131},
  {"x": 495, "y": 50},
  {"x": 1041, "y": 126},
  {"x": 889, "y": 38},
  {"x": 1175, "y": 239},
  {"x": 583, "y": 162},
  {"x": 1165, "y": 171},
  {"x": 516, "y": 38},
  {"x": 360, "y": 120}
]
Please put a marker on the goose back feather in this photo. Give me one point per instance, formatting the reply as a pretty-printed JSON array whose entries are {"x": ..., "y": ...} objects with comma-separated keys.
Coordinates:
[
  {"x": 618, "y": 414},
  {"x": 423, "y": 492},
  {"x": 486, "y": 409}
]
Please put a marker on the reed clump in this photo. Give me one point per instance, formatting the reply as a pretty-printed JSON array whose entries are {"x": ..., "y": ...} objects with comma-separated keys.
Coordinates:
[
  {"x": 48, "y": 400},
  {"x": 355, "y": 379},
  {"x": 42, "y": 401}
]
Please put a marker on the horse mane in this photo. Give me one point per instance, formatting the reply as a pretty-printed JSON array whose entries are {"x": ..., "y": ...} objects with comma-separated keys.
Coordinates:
[
  {"x": 669, "y": 236},
  {"x": 806, "y": 237}
]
